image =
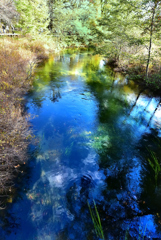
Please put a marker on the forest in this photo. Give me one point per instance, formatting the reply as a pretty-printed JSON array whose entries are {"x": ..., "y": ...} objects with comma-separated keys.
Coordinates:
[
  {"x": 114, "y": 48},
  {"x": 126, "y": 32}
]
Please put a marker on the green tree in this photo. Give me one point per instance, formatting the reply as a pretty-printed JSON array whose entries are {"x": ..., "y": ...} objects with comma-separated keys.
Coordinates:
[
  {"x": 150, "y": 24},
  {"x": 117, "y": 27},
  {"x": 127, "y": 23},
  {"x": 34, "y": 16},
  {"x": 72, "y": 20}
]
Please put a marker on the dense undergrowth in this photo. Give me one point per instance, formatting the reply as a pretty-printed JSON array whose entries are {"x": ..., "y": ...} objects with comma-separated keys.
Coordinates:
[
  {"x": 18, "y": 59},
  {"x": 153, "y": 82},
  {"x": 132, "y": 61}
]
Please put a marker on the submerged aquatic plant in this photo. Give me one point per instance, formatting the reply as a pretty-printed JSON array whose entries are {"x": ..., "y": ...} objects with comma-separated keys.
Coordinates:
[
  {"x": 127, "y": 234},
  {"x": 101, "y": 143},
  {"x": 141, "y": 232},
  {"x": 100, "y": 140},
  {"x": 96, "y": 221},
  {"x": 154, "y": 163}
]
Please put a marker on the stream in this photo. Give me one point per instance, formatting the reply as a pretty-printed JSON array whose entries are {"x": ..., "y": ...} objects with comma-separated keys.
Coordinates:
[{"x": 98, "y": 154}]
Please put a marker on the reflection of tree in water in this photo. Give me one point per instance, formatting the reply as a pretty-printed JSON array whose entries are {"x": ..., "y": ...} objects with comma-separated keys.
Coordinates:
[
  {"x": 151, "y": 190},
  {"x": 55, "y": 95},
  {"x": 127, "y": 195},
  {"x": 15, "y": 217},
  {"x": 154, "y": 111},
  {"x": 37, "y": 99},
  {"x": 46, "y": 75},
  {"x": 77, "y": 196},
  {"x": 120, "y": 202},
  {"x": 122, "y": 165},
  {"x": 118, "y": 209}
]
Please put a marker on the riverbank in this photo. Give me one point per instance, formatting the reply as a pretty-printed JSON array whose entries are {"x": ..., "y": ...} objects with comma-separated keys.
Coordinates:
[
  {"x": 132, "y": 62},
  {"x": 18, "y": 59},
  {"x": 153, "y": 82},
  {"x": 136, "y": 72}
]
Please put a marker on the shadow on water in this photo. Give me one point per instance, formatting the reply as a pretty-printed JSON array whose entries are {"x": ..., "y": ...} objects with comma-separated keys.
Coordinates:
[
  {"x": 19, "y": 204},
  {"x": 99, "y": 139}
]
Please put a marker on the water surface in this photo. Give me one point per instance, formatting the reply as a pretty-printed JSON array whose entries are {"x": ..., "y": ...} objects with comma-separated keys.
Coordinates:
[{"x": 98, "y": 134}]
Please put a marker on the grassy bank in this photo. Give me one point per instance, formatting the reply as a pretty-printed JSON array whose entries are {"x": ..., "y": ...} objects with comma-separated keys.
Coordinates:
[{"x": 18, "y": 59}]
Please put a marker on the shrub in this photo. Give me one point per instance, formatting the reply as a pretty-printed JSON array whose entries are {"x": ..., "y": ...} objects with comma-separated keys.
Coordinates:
[{"x": 14, "y": 131}]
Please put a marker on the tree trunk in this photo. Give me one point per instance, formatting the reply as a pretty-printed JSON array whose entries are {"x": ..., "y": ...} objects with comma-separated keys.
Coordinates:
[
  {"x": 150, "y": 40},
  {"x": 51, "y": 5}
]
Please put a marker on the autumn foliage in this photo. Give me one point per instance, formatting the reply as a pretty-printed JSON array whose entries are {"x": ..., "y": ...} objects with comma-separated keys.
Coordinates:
[{"x": 17, "y": 62}]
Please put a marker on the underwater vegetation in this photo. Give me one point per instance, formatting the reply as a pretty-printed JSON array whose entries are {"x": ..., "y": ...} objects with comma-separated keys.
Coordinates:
[
  {"x": 155, "y": 165},
  {"x": 96, "y": 220}
]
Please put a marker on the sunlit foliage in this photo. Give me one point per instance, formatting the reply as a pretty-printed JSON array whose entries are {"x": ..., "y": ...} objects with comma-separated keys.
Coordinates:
[{"x": 34, "y": 17}]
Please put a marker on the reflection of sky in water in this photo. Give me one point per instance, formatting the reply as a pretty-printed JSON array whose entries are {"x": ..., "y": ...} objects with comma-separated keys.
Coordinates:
[
  {"x": 74, "y": 159},
  {"x": 145, "y": 108},
  {"x": 101, "y": 64}
]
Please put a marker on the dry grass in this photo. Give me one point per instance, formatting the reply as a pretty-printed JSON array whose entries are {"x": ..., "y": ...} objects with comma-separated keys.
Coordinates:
[{"x": 17, "y": 61}]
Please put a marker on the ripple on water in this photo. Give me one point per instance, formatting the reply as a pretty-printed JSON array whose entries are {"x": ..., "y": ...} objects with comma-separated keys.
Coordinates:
[{"x": 93, "y": 135}]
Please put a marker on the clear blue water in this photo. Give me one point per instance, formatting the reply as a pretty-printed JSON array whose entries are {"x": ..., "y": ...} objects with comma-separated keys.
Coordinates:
[{"x": 95, "y": 140}]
